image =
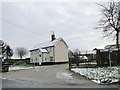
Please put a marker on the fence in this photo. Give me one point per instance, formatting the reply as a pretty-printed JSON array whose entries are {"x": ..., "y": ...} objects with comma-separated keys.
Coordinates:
[
  {"x": 76, "y": 62},
  {"x": 102, "y": 57},
  {"x": 105, "y": 57},
  {"x": 17, "y": 61},
  {"x": 5, "y": 67},
  {"x": 7, "y": 62}
]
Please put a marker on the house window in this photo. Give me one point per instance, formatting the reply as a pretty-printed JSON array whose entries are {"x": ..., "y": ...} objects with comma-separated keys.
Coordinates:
[
  {"x": 31, "y": 60},
  {"x": 45, "y": 58},
  {"x": 36, "y": 59},
  {"x": 51, "y": 58},
  {"x": 40, "y": 55}
]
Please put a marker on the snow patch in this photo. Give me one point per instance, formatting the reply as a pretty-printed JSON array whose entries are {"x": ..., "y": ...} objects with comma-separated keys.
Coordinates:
[
  {"x": 20, "y": 68},
  {"x": 100, "y": 75},
  {"x": 4, "y": 78}
]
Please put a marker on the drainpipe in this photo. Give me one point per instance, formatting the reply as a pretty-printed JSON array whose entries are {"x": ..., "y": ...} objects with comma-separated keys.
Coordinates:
[{"x": 54, "y": 53}]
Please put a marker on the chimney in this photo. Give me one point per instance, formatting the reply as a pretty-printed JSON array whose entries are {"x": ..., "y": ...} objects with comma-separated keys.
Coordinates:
[{"x": 53, "y": 36}]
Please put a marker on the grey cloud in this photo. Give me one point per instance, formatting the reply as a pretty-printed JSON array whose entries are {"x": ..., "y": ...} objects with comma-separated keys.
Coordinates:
[{"x": 75, "y": 22}]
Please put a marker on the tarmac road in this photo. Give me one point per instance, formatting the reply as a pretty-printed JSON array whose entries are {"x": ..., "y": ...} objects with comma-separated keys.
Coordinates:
[
  {"x": 32, "y": 84},
  {"x": 51, "y": 76},
  {"x": 48, "y": 74}
]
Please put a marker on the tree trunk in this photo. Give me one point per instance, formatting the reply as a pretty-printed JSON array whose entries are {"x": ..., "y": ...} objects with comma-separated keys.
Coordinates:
[
  {"x": 20, "y": 57},
  {"x": 117, "y": 39},
  {"x": 117, "y": 45}
]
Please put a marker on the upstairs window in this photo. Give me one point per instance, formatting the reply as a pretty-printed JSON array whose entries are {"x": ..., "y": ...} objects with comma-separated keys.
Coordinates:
[{"x": 51, "y": 58}]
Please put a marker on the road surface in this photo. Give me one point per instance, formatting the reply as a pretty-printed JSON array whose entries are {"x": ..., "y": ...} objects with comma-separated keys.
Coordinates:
[
  {"x": 32, "y": 84},
  {"x": 51, "y": 76}
]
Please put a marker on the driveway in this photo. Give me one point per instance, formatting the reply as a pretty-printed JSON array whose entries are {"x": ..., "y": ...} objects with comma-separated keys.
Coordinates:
[{"x": 50, "y": 75}]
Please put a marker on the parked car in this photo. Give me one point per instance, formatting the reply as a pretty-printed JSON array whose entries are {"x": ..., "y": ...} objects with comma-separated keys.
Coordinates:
[{"x": 83, "y": 58}]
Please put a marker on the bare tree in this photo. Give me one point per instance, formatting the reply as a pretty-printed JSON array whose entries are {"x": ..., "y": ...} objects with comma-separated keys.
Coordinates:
[
  {"x": 21, "y": 52},
  {"x": 70, "y": 53},
  {"x": 76, "y": 52},
  {"x": 5, "y": 50},
  {"x": 8, "y": 52},
  {"x": 110, "y": 22}
]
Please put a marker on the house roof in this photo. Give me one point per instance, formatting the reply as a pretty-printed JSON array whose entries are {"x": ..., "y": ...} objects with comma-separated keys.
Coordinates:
[
  {"x": 88, "y": 52},
  {"x": 46, "y": 44},
  {"x": 111, "y": 46},
  {"x": 111, "y": 49}
]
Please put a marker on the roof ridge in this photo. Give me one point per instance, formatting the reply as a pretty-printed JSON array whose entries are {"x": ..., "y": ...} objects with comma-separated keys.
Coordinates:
[{"x": 46, "y": 44}]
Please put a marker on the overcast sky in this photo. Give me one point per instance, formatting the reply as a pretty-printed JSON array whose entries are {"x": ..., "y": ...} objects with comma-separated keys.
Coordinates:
[{"x": 28, "y": 24}]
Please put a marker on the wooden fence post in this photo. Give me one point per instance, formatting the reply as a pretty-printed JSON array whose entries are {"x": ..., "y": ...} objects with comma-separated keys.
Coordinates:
[
  {"x": 77, "y": 61},
  {"x": 70, "y": 66}
]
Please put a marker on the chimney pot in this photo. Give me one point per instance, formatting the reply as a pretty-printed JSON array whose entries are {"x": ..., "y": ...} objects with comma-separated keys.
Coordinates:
[{"x": 53, "y": 36}]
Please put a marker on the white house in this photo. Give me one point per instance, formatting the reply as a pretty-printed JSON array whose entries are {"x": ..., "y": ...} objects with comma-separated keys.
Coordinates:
[{"x": 55, "y": 50}]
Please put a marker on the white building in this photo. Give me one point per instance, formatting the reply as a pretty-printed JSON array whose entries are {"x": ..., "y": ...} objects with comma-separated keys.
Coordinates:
[{"x": 55, "y": 50}]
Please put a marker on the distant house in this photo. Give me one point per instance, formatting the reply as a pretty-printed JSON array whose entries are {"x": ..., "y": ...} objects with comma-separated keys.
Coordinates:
[
  {"x": 87, "y": 55},
  {"x": 111, "y": 46},
  {"x": 55, "y": 50}
]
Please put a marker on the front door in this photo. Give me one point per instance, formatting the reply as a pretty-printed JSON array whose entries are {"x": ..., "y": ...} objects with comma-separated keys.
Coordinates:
[{"x": 40, "y": 61}]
